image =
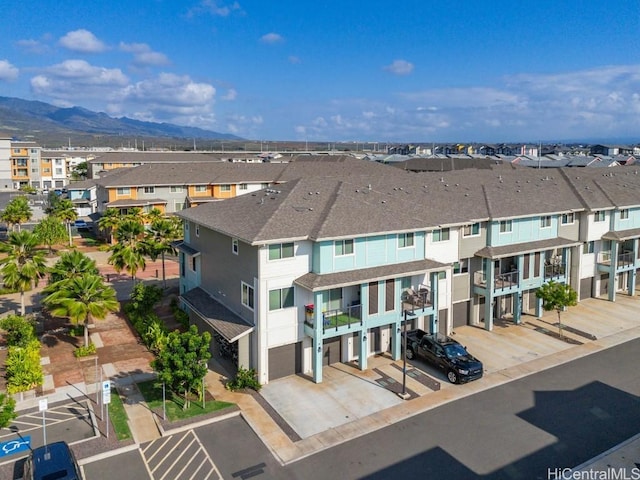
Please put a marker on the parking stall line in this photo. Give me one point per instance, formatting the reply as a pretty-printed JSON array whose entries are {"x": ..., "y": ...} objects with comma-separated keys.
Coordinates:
[
  {"x": 206, "y": 454},
  {"x": 167, "y": 441},
  {"x": 185, "y": 450}
]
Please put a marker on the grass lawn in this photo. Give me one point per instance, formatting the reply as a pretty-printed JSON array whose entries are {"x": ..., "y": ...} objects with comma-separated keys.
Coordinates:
[
  {"x": 153, "y": 396},
  {"x": 340, "y": 319},
  {"x": 118, "y": 416}
]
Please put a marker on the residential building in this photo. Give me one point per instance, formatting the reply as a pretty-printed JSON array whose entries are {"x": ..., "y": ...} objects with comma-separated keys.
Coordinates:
[
  {"x": 322, "y": 269},
  {"x": 6, "y": 181}
]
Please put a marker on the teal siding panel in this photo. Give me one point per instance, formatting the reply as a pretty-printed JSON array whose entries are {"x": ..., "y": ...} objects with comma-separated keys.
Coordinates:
[
  {"x": 376, "y": 252},
  {"x": 523, "y": 230}
]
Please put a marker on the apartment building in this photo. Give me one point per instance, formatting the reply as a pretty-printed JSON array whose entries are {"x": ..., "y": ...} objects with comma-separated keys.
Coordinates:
[
  {"x": 6, "y": 182},
  {"x": 320, "y": 270}
]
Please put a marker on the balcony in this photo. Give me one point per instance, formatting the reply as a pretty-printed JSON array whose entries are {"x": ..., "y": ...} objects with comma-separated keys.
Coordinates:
[
  {"x": 502, "y": 281},
  {"x": 555, "y": 271},
  {"x": 624, "y": 260},
  {"x": 336, "y": 318},
  {"x": 417, "y": 300}
]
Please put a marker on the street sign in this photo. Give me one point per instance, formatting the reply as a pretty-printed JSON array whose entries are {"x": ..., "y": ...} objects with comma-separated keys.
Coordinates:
[
  {"x": 42, "y": 404},
  {"x": 18, "y": 445},
  {"x": 106, "y": 392}
]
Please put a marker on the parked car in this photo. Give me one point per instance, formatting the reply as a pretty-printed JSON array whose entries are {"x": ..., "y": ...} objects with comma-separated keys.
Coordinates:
[
  {"x": 55, "y": 460},
  {"x": 444, "y": 353},
  {"x": 81, "y": 224}
]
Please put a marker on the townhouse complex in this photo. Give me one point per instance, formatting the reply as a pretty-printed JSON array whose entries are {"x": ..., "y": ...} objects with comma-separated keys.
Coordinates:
[{"x": 319, "y": 268}]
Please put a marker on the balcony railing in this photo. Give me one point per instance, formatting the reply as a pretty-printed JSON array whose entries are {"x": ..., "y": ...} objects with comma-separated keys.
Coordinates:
[
  {"x": 506, "y": 280},
  {"x": 555, "y": 271},
  {"x": 352, "y": 315},
  {"x": 417, "y": 300},
  {"x": 624, "y": 259}
]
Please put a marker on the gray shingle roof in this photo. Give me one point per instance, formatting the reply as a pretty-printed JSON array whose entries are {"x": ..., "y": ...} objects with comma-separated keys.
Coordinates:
[
  {"x": 315, "y": 282},
  {"x": 495, "y": 253},
  {"x": 223, "y": 320},
  {"x": 622, "y": 235},
  {"x": 136, "y": 203}
]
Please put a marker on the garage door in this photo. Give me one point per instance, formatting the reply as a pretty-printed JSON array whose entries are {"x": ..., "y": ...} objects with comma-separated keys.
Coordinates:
[
  {"x": 460, "y": 314},
  {"x": 285, "y": 360},
  {"x": 586, "y": 287},
  {"x": 442, "y": 321},
  {"x": 331, "y": 351},
  {"x": 604, "y": 284}
]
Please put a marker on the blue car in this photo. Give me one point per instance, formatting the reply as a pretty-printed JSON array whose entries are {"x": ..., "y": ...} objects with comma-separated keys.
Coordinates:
[
  {"x": 81, "y": 225},
  {"x": 55, "y": 460}
]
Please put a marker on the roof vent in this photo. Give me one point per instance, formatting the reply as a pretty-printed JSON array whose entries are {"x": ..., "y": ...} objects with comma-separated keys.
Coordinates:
[
  {"x": 441, "y": 179},
  {"x": 369, "y": 186}
]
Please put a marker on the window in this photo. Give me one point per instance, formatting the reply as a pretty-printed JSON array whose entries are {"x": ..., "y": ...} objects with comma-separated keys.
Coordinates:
[
  {"x": 442, "y": 275},
  {"x": 568, "y": 218},
  {"x": 193, "y": 263},
  {"x": 46, "y": 170},
  {"x": 34, "y": 170},
  {"x": 179, "y": 206},
  {"x": 441, "y": 235},
  {"x": 343, "y": 247},
  {"x": 545, "y": 221},
  {"x": 243, "y": 186},
  {"x": 599, "y": 216},
  {"x": 235, "y": 246},
  {"x": 471, "y": 230},
  {"x": 225, "y": 188},
  {"x": 123, "y": 191},
  {"x": 506, "y": 226},
  {"x": 280, "y": 298},
  {"x": 175, "y": 189},
  {"x": 405, "y": 240},
  {"x": 280, "y": 250},
  {"x": 247, "y": 295},
  {"x": 58, "y": 171},
  {"x": 264, "y": 185},
  {"x": 149, "y": 189},
  {"x": 589, "y": 247},
  {"x": 197, "y": 230},
  {"x": 405, "y": 283},
  {"x": 624, "y": 214},
  {"x": 201, "y": 188},
  {"x": 461, "y": 267}
]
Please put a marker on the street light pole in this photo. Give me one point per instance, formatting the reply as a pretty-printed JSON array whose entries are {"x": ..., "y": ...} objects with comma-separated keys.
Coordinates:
[{"x": 404, "y": 357}]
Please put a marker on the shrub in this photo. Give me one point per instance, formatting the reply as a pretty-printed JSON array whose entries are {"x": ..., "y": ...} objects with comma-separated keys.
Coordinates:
[
  {"x": 244, "y": 379},
  {"x": 19, "y": 331},
  {"x": 23, "y": 369},
  {"x": 144, "y": 297},
  {"x": 76, "y": 330},
  {"x": 85, "y": 351},
  {"x": 182, "y": 317}
]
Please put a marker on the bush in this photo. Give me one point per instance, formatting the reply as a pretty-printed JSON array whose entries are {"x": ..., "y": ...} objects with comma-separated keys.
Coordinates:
[
  {"x": 244, "y": 379},
  {"x": 144, "y": 297},
  {"x": 85, "y": 351},
  {"x": 76, "y": 330},
  {"x": 23, "y": 369},
  {"x": 19, "y": 331},
  {"x": 182, "y": 317}
]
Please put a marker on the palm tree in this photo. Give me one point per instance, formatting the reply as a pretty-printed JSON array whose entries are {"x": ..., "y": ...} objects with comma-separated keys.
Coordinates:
[
  {"x": 71, "y": 264},
  {"x": 50, "y": 231},
  {"x": 17, "y": 212},
  {"x": 153, "y": 215},
  {"x": 128, "y": 253},
  {"x": 109, "y": 221},
  {"x": 66, "y": 212},
  {"x": 159, "y": 240},
  {"x": 136, "y": 214},
  {"x": 81, "y": 299},
  {"x": 23, "y": 265}
]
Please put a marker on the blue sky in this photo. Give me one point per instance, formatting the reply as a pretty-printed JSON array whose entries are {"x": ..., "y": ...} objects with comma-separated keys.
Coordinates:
[{"x": 377, "y": 71}]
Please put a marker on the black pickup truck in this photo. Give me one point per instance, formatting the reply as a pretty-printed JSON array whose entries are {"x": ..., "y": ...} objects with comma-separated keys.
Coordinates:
[{"x": 445, "y": 353}]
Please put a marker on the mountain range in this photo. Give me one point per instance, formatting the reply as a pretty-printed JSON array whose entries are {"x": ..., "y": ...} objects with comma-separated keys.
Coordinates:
[{"x": 43, "y": 122}]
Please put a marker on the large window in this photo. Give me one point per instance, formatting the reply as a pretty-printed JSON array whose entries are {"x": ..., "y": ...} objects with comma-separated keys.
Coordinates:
[
  {"x": 461, "y": 267},
  {"x": 506, "y": 226},
  {"x": 599, "y": 216},
  {"x": 201, "y": 188},
  {"x": 247, "y": 295},
  {"x": 343, "y": 247},
  {"x": 545, "y": 221},
  {"x": 280, "y": 250},
  {"x": 589, "y": 247},
  {"x": 175, "y": 189},
  {"x": 568, "y": 218},
  {"x": 471, "y": 230},
  {"x": 243, "y": 186},
  {"x": 123, "y": 191},
  {"x": 405, "y": 240},
  {"x": 148, "y": 190},
  {"x": 441, "y": 235},
  {"x": 280, "y": 298},
  {"x": 225, "y": 188},
  {"x": 624, "y": 214}
]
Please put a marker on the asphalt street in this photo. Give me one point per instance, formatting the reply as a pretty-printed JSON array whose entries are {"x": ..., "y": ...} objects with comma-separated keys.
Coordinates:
[{"x": 557, "y": 418}]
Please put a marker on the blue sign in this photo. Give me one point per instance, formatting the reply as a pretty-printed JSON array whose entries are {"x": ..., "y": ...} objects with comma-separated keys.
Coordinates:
[{"x": 15, "y": 446}]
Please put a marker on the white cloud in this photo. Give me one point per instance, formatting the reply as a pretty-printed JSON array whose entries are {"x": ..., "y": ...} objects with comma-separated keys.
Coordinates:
[
  {"x": 271, "y": 38},
  {"x": 230, "y": 95},
  {"x": 247, "y": 124},
  {"x": 169, "y": 92},
  {"x": 214, "y": 7},
  {"x": 143, "y": 55},
  {"x": 82, "y": 41},
  {"x": 400, "y": 67},
  {"x": 32, "y": 46},
  {"x": 8, "y": 72}
]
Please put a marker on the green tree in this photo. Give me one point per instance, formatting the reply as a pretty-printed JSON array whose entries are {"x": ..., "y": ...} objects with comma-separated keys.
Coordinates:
[
  {"x": 72, "y": 264},
  {"x": 19, "y": 331},
  {"x": 81, "y": 299},
  {"x": 50, "y": 231},
  {"x": 17, "y": 212},
  {"x": 128, "y": 253},
  {"x": 22, "y": 367},
  {"x": 109, "y": 222},
  {"x": 65, "y": 211},
  {"x": 182, "y": 361},
  {"x": 24, "y": 263},
  {"x": 159, "y": 240},
  {"x": 557, "y": 296},
  {"x": 7, "y": 410},
  {"x": 80, "y": 171}
]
